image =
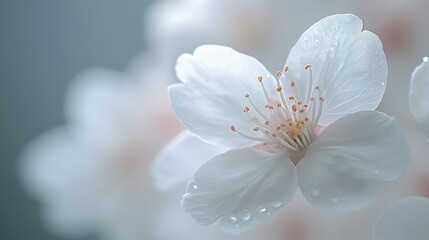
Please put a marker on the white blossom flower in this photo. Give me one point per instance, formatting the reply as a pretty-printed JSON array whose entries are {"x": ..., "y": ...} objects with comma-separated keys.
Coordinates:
[
  {"x": 404, "y": 219},
  {"x": 91, "y": 175},
  {"x": 311, "y": 125},
  {"x": 419, "y": 96}
]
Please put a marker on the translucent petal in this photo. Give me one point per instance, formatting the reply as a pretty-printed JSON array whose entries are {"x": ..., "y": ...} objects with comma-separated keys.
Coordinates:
[
  {"x": 241, "y": 188},
  {"x": 342, "y": 169},
  {"x": 419, "y": 96},
  {"x": 180, "y": 159},
  {"x": 211, "y": 99},
  {"x": 347, "y": 63}
]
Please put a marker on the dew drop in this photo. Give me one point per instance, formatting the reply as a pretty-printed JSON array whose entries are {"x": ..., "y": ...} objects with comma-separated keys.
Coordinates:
[
  {"x": 331, "y": 48},
  {"x": 425, "y": 59},
  {"x": 276, "y": 204},
  {"x": 193, "y": 186},
  {"x": 233, "y": 217},
  {"x": 268, "y": 75},
  {"x": 245, "y": 215},
  {"x": 262, "y": 209},
  {"x": 383, "y": 83},
  {"x": 335, "y": 200}
]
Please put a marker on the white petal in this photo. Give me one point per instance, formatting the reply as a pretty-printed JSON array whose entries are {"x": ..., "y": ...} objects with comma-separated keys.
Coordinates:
[
  {"x": 342, "y": 169},
  {"x": 348, "y": 64},
  {"x": 96, "y": 103},
  {"x": 242, "y": 188},
  {"x": 180, "y": 159},
  {"x": 405, "y": 219},
  {"x": 419, "y": 96},
  {"x": 212, "y": 99}
]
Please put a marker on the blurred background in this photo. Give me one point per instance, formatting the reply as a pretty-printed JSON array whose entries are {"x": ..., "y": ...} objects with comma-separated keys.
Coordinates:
[
  {"x": 44, "y": 45},
  {"x": 47, "y": 45}
]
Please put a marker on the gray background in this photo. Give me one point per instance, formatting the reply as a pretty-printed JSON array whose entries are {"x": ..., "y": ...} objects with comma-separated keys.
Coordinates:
[{"x": 43, "y": 45}]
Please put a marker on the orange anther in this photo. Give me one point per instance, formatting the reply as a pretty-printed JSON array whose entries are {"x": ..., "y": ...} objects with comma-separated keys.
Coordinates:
[
  {"x": 291, "y": 98},
  {"x": 260, "y": 78},
  {"x": 279, "y": 89},
  {"x": 306, "y": 105},
  {"x": 306, "y": 119},
  {"x": 301, "y": 110},
  {"x": 278, "y": 74},
  {"x": 294, "y": 108},
  {"x": 279, "y": 105},
  {"x": 308, "y": 66},
  {"x": 256, "y": 129},
  {"x": 246, "y": 109},
  {"x": 300, "y": 103}
]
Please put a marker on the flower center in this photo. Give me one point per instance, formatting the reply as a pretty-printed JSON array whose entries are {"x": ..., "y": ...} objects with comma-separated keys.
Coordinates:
[{"x": 288, "y": 121}]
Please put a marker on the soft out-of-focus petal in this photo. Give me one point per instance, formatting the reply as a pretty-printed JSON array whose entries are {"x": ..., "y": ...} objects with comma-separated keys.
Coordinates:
[
  {"x": 419, "y": 96},
  {"x": 342, "y": 169},
  {"x": 241, "y": 188},
  {"x": 405, "y": 219},
  {"x": 212, "y": 98},
  {"x": 181, "y": 158},
  {"x": 348, "y": 64},
  {"x": 96, "y": 103},
  {"x": 54, "y": 169}
]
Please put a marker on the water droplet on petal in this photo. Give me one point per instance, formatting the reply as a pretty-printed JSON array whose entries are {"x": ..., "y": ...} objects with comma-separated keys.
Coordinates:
[
  {"x": 245, "y": 215},
  {"x": 192, "y": 186},
  {"x": 335, "y": 200},
  {"x": 262, "y": 209},
  {"x": 425, "y": 59},
  {"x": 233, "y": 217},
  {"x": 276, "y": 204},
  {"x": 383, "y": 83},
  {"x": 268, "y": 75}
]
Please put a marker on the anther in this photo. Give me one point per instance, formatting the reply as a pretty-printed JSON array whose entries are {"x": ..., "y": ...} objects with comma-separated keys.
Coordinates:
[
  {"x": 256, "y": 129},
  {"x": 294, "y": 108},
  {"x": 292, "y": 83},
  {"x": 301, "y": 110},
  {"x": 246, "y": 109},
  {"x": 233, "y": 128},
  {"x": 291, "y": 98},
  {"x": 308, "y": 66},
  {"x": 278, "y": 74},
  {"x": 322, "y": 99},
  {"x": 279, "y": 89},
  {"x": 267, "y": 122},
  {"x": 247, "y": 95},
  {"x": 286, "y": 69},
  {"x": 317, "y": 88},
  {"x": 260, "y": 78}
]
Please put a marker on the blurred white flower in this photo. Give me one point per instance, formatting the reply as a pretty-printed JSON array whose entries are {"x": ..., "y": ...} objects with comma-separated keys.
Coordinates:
[
  {"x": 419, "y": 96},
  {"x": 404, "y": 219},
  {"x": 92, "y": 175},
  {"x": 283, "y": 126},
  {"x": 266, "y": 29}
]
